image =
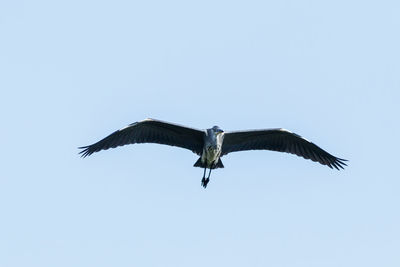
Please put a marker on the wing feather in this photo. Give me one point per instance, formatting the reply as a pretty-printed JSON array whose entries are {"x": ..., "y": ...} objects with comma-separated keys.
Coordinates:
[
  {"x": 150, "y": 131},
  {"x": 279, "y": 140}
]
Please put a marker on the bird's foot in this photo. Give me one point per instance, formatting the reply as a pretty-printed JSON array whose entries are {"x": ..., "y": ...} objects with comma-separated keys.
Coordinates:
[{"x": 204, "y": 182}]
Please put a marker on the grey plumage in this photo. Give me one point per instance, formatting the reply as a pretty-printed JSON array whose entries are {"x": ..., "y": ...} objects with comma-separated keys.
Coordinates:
[
  {"x": 213, "y": 143},
  {"x": 279, "y": 140},
  {"x": 150, "y": 131}
]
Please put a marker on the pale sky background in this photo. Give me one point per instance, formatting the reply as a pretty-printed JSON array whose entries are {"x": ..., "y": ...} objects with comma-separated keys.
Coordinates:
[{"x": 72, "y": 72}]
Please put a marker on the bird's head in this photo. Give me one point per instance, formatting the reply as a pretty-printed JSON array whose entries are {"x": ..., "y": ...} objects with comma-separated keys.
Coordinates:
[{"x": 217, "y": 130}]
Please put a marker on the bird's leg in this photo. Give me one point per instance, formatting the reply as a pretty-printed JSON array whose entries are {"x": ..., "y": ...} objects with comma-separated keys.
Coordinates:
[
  {"x": 203, "y": 181},
  {"x": 209, "y": 174}
]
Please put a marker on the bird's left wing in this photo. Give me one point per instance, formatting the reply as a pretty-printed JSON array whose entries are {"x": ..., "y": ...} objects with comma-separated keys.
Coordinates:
[
  {"x": 150, "y": 131},
  {"x": 278, "y": 140}
]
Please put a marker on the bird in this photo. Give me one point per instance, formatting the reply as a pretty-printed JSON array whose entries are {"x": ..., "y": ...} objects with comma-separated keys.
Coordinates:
[{"x": 213, "y": 143}]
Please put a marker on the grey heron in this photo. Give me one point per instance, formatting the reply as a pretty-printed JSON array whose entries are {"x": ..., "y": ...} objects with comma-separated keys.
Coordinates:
[{"x": 213, "y": 143}]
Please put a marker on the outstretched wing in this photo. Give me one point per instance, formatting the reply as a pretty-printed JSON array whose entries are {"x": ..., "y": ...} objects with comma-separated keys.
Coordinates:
[
  {"x": 150, "y": 131},
  {"x": 279, "y": 140}
]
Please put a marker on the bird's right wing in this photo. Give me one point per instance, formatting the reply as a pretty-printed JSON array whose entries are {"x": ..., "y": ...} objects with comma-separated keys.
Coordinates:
[
  {"x": 150, "y": 131},
  {"x": 278, "y": 140}
]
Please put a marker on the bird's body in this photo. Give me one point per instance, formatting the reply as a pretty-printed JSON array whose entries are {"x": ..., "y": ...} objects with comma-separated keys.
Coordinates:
[
  {"x": 212, "y": 149},
  {"x": 213, "y": 143}
]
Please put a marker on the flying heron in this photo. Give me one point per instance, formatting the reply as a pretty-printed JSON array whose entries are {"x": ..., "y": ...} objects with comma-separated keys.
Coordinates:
[{"x": 213, "y": 143}]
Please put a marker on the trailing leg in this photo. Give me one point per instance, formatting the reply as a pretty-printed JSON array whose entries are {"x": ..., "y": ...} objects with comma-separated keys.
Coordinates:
[{"x": 204, "y": 181}]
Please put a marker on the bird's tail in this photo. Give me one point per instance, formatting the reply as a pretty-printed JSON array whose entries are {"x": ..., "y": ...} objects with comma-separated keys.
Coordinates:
[
  {"x": 199, "y": 164},
  {"x": 203, "y": 165},
  {"x": 219, "y": 164}
]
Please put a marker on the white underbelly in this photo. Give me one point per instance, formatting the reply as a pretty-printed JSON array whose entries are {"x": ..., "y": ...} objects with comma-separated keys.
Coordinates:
[{"x": 211, "y": 155}]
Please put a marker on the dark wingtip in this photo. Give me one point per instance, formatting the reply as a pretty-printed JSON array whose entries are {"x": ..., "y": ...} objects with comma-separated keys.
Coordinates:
[
  {"x": 340, "y": 163},
  {"x": 85, "y": 152}
]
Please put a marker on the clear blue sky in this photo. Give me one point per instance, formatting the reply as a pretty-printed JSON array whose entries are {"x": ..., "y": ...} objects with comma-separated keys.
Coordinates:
[{"x": 71, "y": 72}]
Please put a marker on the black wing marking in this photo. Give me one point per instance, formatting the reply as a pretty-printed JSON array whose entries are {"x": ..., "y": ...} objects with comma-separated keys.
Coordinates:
[
  {"x": 150, "y": 131},
  {"x": 279, "y": 140}
]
